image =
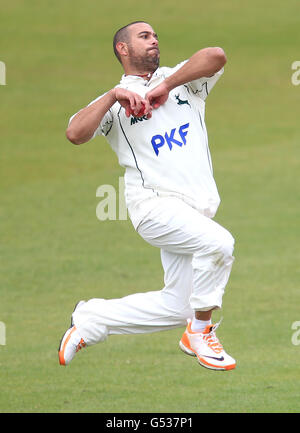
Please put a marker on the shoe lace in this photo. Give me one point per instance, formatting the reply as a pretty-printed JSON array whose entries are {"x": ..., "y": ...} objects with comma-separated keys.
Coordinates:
[
  {"x": 212, "y": 340},
  {"x": 80, "y": 345}
]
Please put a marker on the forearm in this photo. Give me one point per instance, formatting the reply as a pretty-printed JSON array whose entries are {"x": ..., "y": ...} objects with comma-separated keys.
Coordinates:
[
  {"x": 84, "y": 124},
  {"x": 203, "y": 63}
]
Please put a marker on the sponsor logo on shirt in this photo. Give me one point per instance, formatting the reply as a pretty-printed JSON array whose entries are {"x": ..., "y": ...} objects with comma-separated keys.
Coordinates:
[
  {"x": 135, "y": 120},
  {"x": 171, "y": 138}
]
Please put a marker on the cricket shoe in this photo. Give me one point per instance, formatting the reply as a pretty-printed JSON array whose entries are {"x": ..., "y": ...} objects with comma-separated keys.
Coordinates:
[
  {"x": 206, "y": 346},
  {"x": 70, "y": 343}
]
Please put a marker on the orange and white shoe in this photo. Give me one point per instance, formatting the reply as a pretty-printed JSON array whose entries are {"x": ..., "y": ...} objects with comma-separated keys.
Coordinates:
[
  {"x": 70, "y": 343},
  {"x": 206, "y": 346}
]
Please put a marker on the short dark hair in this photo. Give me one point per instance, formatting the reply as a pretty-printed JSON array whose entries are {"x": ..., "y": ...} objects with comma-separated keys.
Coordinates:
[{"x": 122, "y": 35}]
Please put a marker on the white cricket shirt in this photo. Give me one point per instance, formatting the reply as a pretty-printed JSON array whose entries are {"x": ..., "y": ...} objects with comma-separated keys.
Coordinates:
[{"x": 167, "y": 155}]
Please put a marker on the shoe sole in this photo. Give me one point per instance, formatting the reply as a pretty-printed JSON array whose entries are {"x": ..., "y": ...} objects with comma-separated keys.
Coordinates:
[
  {"x": 186, "y": 350},
  {"x": 202, "y": 361}
]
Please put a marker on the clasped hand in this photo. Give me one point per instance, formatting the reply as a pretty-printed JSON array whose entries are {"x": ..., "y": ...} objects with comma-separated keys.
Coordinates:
[{"x": 137, "y": 106}]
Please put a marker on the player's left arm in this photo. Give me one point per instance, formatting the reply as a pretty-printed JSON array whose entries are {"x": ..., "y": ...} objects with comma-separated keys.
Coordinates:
[{"x": 204, "y": 63}]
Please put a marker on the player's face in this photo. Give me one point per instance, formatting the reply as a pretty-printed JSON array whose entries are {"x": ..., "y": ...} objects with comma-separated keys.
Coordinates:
[{"x": 143, "y": 47}]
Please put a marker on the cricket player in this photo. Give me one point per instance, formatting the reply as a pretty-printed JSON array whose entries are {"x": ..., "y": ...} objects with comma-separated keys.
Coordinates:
[{"x": 154, "y": 121}]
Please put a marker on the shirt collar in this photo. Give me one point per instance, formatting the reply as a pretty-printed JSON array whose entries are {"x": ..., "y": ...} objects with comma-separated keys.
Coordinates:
[{"x": 130, "y": 79}]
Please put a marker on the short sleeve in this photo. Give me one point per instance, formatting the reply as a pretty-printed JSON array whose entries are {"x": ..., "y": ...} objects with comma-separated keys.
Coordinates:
[
  {"x": 203, "y": 85},
  {"x": 105, "y": 124}
]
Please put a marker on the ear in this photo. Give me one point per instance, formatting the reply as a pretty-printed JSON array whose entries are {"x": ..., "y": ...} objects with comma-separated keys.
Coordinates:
[{"x": 122, "y": 48}]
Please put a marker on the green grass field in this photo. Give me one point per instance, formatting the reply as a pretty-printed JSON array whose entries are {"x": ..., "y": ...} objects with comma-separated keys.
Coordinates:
[{"x": 54, "y": 251}]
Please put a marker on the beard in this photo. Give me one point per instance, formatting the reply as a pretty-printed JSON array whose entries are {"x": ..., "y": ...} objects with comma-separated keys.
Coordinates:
[{"x": 147, "y": 63}]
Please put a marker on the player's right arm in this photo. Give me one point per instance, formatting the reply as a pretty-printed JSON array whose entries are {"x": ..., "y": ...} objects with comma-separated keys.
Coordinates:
[{"x": 83, "y": 125}]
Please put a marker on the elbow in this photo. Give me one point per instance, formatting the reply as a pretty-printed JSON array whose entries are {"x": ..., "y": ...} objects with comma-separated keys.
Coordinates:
[
  {"x": 72, "y": 137},
  {"x": 219, "y": 57},
  {"x": 212, "y": 60}
]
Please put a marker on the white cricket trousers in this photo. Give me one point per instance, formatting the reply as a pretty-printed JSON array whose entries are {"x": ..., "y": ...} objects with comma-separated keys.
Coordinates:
[{"x": 196, "y": 255}]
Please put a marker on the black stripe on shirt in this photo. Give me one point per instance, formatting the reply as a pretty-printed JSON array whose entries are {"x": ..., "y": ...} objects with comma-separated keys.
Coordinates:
[{"x": 132, "y": 151}]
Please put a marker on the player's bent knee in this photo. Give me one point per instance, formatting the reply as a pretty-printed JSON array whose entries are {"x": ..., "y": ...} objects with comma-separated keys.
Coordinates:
[
  {"x": 222, "y": 249},
  {"x": 227, "y": 246}
]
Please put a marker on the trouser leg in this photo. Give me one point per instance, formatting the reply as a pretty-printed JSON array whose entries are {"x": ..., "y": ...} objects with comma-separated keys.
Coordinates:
[
  {"x": 134, "y": 314},
  {"x": 178, "y": 282}
]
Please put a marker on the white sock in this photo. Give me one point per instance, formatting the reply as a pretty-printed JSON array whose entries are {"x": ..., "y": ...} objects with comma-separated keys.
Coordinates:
[{"x": 199, "y": 325}]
